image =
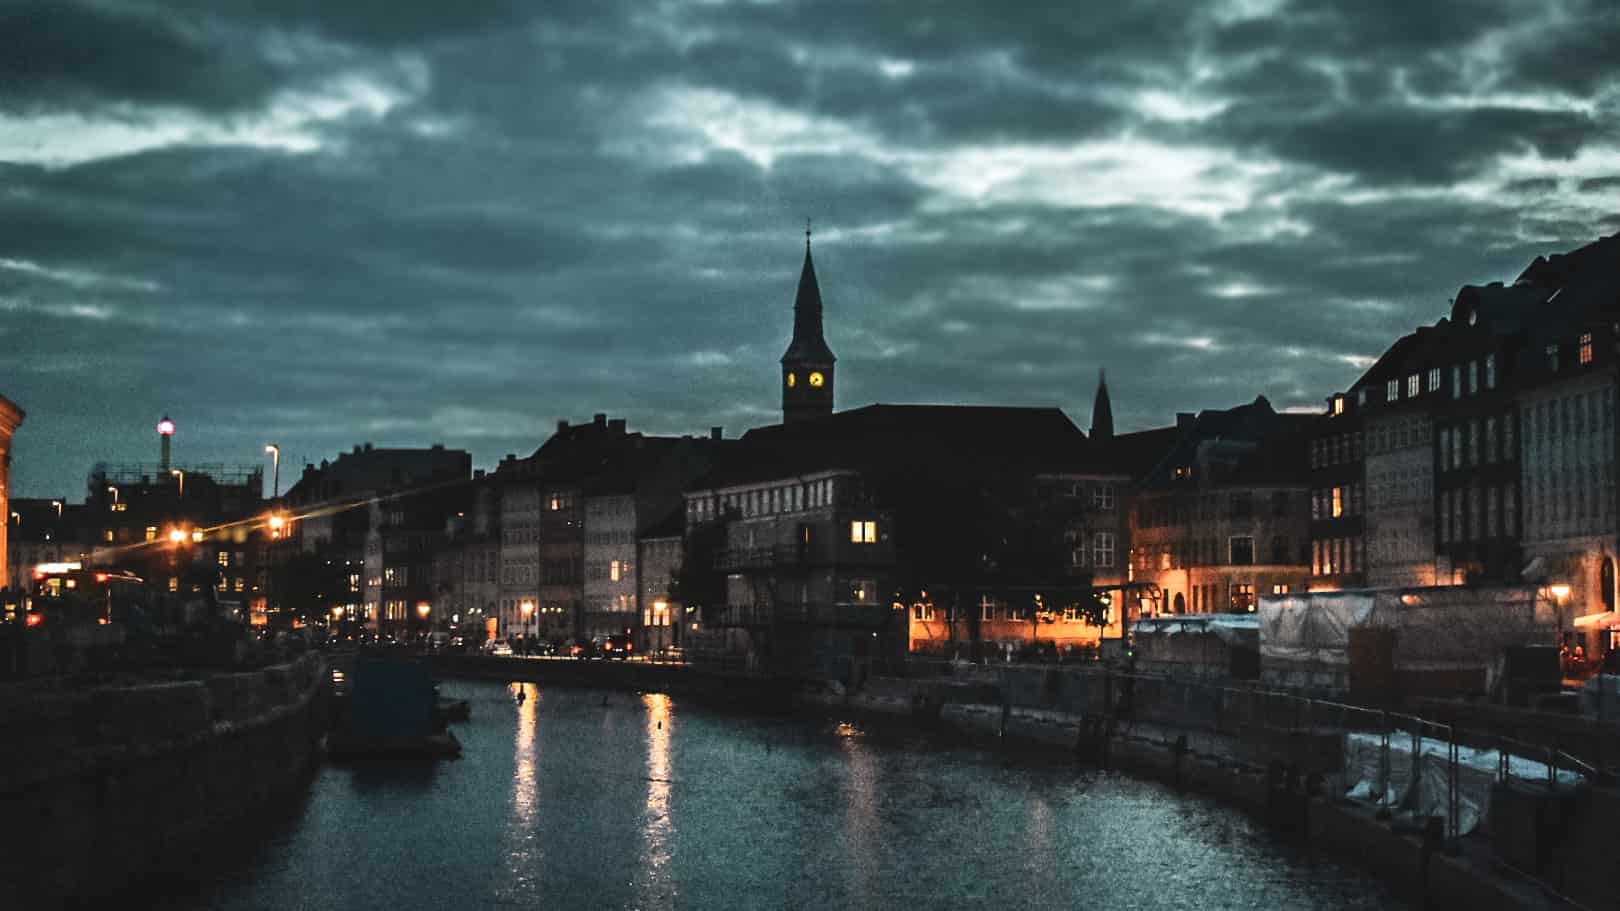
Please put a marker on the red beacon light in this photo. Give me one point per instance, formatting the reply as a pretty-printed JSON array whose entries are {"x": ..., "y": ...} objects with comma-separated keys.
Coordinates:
[{"x": 166, "y": 427}]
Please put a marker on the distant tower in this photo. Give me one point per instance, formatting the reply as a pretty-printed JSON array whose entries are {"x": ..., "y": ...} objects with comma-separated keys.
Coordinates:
[
  {"x": 165, "y": 431},
  {"x": 807, "y": 367},
  {"x": 1102, "y": 413}
]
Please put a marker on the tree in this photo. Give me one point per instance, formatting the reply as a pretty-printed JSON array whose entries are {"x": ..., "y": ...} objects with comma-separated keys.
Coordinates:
[{"x": 698, "y": 583}]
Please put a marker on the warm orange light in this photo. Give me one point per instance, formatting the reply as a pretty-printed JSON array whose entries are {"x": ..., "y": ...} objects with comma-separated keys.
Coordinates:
[
  {"x": 527, "y": 607},
  {"x": 35, "y": 619},
  {"x": 196, "y": 536},
  {"x": 792, "y": 380},
  {"x": 816, "y": 379},
  {"x": 1560, "y": 591},
  {"x": 101, "y": 577},
  {"x": 337, "y": 613},
  {"x": 176, "y": 535},
  {"x": 103, "y": 621},
  {"x": 423, "y": 609}
]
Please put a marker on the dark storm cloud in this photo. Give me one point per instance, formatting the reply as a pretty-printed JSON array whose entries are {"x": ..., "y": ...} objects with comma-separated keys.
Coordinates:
[{"x": 323, "y": 223}]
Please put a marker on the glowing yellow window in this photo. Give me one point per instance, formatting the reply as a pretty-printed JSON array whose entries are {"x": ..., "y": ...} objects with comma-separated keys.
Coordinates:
[
  {"x": 863, "y": 532},
  {"x": 1338, "y": 502},
  {"x": 151, "y": 532},
  {"x": 613, "y": 570},
  {"x": 792, "y": 380}
]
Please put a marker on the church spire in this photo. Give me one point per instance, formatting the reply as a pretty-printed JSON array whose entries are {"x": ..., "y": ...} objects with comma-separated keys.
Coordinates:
[
  {"x": 1102, "y": 412},
  {"x": 807, "y": 365}
]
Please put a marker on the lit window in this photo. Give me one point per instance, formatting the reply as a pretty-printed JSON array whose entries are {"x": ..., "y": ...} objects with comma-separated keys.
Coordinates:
[
  {"x": 1413, "y": 385},
  {"x": 241, "y": 584},
  {"x": 107, "y": 535},
  {"x": 863, "y": 532},
  {"x": 1434, "y": 379},
  {"x": 1338, "y": 502},
  {"x": 151, "y": 532},
  {"x": 1338, "y": 404},
  {"x": 174, "y": 584},
  {"x": 613, "y": 570},
  {"x": 1586, "y": 348},
  {"x": 223, "y": 557},
  {"x": 1392, "y": 390}
]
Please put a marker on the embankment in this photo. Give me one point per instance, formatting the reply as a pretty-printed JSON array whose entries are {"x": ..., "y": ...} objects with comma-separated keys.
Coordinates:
[{"x": 102, "y": 788}]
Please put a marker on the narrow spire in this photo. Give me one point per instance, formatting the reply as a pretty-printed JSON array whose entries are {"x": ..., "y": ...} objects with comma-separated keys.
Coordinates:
[{"x": 1102, "y": 411}]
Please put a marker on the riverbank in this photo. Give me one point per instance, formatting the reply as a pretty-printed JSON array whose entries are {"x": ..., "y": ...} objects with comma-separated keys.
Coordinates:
[
  {"x": 1259, "y": 757},
  {"x": 104, "y": 788}
]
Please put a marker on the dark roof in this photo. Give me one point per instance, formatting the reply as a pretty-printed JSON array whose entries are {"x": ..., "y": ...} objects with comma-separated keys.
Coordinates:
[
  {"x": 1136, "y": 453},
  {"x": 1256, "y": 445},
  {"x": 943, "y": 437},
  {"x": 808, "y": 343},
  {"x": 366, "y": 469}
]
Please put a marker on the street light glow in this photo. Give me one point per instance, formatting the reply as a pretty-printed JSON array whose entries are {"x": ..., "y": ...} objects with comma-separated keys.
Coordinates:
[
  {"x": 177, "y": 535},
  {"x": 1560, "y": 591}
]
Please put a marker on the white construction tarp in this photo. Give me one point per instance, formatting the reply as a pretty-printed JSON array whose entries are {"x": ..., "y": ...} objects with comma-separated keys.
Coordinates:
[
  {"x": 1477, "y": 770},
  {"x": 1311, "y": 628}
]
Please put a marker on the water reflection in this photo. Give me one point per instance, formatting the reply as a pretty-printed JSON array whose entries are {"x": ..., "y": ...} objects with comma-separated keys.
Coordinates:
[
  {"x": 653, "y": 886},
  {"x": 522, "y": 830},
  {"x": 861, "y": 836}
]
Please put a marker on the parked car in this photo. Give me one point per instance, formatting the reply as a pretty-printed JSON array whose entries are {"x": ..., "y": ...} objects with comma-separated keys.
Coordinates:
[
  {"x": 585, "y": 649},
  {"x": 498, "y": 647},
  {"x": 618, "y": 647}
]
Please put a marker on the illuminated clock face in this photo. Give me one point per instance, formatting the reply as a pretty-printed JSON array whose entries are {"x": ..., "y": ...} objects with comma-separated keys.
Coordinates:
[
  {"x": 816, "y": 379},
  {"x": 792, "y": 380}
]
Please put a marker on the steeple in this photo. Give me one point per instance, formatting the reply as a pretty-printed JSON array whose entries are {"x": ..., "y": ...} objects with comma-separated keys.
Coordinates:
[
  {"x": 808, "y": 342},
  {"x": 1102, "y": 412},
  {"x": 807, "y": 365}
]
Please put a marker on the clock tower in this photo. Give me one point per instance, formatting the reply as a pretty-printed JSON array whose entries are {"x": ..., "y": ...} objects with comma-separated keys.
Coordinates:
[{"x": 807, "y": 366}]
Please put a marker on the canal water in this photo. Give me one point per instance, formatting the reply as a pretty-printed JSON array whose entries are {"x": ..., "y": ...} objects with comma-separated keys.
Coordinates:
[{"x": 584, "y": 799}]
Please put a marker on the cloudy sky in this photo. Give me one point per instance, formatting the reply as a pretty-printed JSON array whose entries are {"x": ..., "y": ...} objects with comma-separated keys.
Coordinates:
[{"x": 458, "y": 222}]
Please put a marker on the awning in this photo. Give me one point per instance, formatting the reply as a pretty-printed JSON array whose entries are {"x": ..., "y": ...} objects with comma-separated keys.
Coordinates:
[{"x": 1600, "y": 620}]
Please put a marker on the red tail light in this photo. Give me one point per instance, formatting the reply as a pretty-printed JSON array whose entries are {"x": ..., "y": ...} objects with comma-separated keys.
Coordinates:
[
  {"x": 629, "y": 646},
  {"x": 35, "y": 619}
]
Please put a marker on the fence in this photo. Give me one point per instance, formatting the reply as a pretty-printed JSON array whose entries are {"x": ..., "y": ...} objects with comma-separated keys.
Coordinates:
[{"x": 1391, "y": 760}]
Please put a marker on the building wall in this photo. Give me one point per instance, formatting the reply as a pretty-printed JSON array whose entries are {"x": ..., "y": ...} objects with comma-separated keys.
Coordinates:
[
  {"x": 10, "y": 417},
  {"x": 1188, "y": 542},
  {"x": 657, "y": 562},
  {"x": 1399, "y": 506},
  {"x": 610, "y": 597},
  {"x": 562, "y": 558},
  {"x": 1567, "y": 460},
  {"x": 519, "y": 555}
]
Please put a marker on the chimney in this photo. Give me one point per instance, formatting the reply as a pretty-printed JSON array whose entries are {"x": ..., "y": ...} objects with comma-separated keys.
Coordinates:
[
  {"x": 1185, "y": 419},
  {"x": 715, "y": 433},
  {"x": 478, "y": 473},
  {"x": 368, "y": 446},
  {"x": 562, "y": 426},
  {"x": 599, "y": 420},
  {"x": 438, "y": 447},
  {"x": 617, "y": 426},
  {"x": 357, "y": 449}
]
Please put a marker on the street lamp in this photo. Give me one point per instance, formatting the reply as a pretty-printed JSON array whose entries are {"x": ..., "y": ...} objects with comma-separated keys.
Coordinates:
[
  {"x": 277, "y": 523},
  {"x": 275, "y": 483},
  {"x": 114, "y": 491},
  {"x": 527, "y": 607},
  {"x": 58, "y": 505},
  {"x": 178, "y": 473},
  {"x": 177, "y": 535}
]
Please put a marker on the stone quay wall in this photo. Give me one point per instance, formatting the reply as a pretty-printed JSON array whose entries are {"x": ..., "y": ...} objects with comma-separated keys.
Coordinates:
[{"x": 104, "y": 788}]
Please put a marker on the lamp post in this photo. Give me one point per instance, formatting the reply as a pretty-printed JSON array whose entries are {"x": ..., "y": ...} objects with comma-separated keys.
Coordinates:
[
  {"x": 179, "y": 474},
  {"x": 527, "y": 607},
  {"x": 275, "y": 477},
  {"x": 58, "y": 505},
  {"x": 114, "y": 491}
]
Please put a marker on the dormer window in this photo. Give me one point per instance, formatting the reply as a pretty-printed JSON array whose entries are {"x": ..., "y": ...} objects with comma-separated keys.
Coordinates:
[
  {"x": 1392, "y": 390},
  {"x": 1338, "y": 404}
]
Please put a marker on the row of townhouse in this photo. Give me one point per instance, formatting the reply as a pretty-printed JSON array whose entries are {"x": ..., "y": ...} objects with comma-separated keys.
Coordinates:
[{"x": 1482, "y": 448}]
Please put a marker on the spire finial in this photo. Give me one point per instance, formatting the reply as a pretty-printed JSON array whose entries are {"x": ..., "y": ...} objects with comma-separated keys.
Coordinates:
[{"x": 807, "y": 233}]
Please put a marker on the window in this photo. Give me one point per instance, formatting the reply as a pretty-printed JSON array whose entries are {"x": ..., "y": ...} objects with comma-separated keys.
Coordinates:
[
  {"x": 1102, "y": 496},
  {"x": 1552, "y": 357},
  {"x": 1490, "y": 371},
  {"x": 614, "y": 569},
  {"x": 1586, "y": 348},
  {"x": 863, "y": 532},
  {"x": 1456, "y": 381},
  {"x": 1392, "y": 390},
  {"x": 1338, "y": 404},
  {"x": 863, "y": 591},
  {"x": 987, "y": 608},
  {"x": 1414, "y": 385},
  {"x": 223, "y": 558},
  {"x": 1490, "y": 440},
  {"x": 1338, "y": 502},
  {"x": 174, "y": 584},
  {"x": 1473, "y": 377},
  {"x": 1102, "y": 550},
  {"x": 1243, "y": 596},
  {"x": 241, "y": 584},
  {"x": 1434, "y": 379},
  {"x": 1240, "y": 550},
  {"x": 1241, "y": 505}
]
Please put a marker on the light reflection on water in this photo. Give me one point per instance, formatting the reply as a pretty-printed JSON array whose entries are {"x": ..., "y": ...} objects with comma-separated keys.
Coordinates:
[{"x": 577, "y": 799}]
